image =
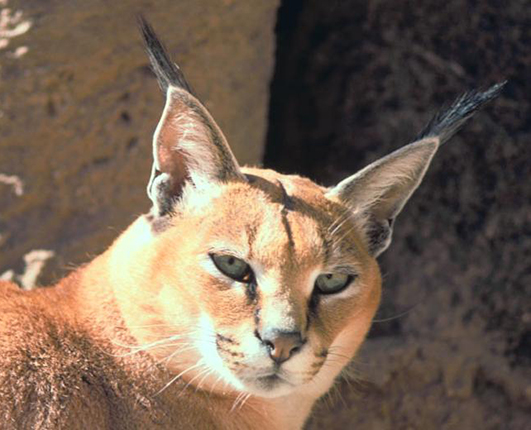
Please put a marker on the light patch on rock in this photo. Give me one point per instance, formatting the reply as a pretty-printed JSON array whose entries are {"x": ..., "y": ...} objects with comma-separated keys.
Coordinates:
[
  {"x": 35, "y": 261},
  {"x": 14, "y": 181},
  {"x": 12, "y": 25},
  {"x": 19, "y": 52}
]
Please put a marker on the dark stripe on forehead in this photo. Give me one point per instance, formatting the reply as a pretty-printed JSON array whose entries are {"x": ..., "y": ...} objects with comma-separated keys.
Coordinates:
[
  {"x": 285, "y": 223},
  {"x": 287, "y": 205},
  {"x": 326, "y": 243},
  {"x": 287, "y": 201},
  {"x": 251, "y": 237}
]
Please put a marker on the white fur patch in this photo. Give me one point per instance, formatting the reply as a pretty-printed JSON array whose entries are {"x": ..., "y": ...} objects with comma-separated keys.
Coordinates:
[
  {"x": 206, "y": 346},
  {"x": 195, "y": 199}
]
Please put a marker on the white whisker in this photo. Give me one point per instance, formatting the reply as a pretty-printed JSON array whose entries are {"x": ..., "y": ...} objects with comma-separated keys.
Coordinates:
[
  {"x": 195, "y": 366},
  {"x": 148, "y": 345},
  {"x": 238, "y": 399},
  {"x": 203, "y": 379},
  {"x": 184, "y": 348}
]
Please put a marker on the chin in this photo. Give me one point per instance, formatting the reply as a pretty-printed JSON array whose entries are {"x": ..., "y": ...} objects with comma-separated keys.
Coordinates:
[{"x": 269, "y": 386}]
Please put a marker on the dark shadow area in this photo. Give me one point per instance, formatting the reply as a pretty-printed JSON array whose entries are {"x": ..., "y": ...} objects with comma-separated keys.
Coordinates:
[{"x": 355, "y": 80}]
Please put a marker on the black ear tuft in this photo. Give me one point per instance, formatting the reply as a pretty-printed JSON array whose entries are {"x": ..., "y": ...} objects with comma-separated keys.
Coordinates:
[
  {"x": 188, "y": 145},
  {"x": 447, "y": 122},
  {"x": 167, "y": 72}
]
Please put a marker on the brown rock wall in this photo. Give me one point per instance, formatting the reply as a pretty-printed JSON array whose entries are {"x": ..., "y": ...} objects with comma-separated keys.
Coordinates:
[{"x": 78, "y": 109}]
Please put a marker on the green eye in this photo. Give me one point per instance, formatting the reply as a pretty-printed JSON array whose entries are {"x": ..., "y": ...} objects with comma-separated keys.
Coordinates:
[
  {"x": 332, "y": 283},
  {"x": 233, "y": 267}
]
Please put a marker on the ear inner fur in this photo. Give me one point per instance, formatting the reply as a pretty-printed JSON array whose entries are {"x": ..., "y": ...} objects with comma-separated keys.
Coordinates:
[
  {"x": 187, "y": 146},
  {"x": 377, "y": 194}
]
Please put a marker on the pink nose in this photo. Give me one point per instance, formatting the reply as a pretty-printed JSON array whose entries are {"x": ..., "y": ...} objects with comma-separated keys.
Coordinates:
[{"x": 281, "y": 344}]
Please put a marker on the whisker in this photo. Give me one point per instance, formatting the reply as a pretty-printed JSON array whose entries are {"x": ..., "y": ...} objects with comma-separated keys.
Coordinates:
[
  {"x": 339, "y": 355},
  {"x": 235, "y": 401},
  {"x": 167, "y": 359},
  {"x": 239, "y": 398},
  {"x": 332, "y": 362},
  {"x": 206, "y": 370},
  {"x": 195, "y": 366},
  {"x": 338, "y": 222},
  {"x": 399, "y": 315},
  {"x": 139, "y": 348},
  {"x": 157, "y": 342},
  {"x": 337, "y": 240},
  {"x": 244, "y": 401},
  {"x": 151, "y": 325},
  {"x": 203, "y": 379},
  {"x": 144, "y": 349},
  {"x": 220, "y": 378}
]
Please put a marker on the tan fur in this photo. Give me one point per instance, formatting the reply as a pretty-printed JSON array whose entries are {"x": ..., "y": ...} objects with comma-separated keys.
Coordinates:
[{"x": 72, "y": 355}]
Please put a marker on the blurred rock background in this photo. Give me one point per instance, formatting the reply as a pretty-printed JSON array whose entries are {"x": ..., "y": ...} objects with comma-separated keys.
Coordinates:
[{"x": 353, "y": 80}]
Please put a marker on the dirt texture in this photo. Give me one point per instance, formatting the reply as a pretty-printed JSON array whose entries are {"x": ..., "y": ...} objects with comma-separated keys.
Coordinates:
[
  {"x": 354, "y": 80},
  {"x": 79, "y": 104}
]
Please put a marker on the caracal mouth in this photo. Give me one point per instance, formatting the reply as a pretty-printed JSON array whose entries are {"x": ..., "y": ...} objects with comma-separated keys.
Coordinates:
[
  {"x": 271, "y": 381},
  {"x": 269, "y": 385}
]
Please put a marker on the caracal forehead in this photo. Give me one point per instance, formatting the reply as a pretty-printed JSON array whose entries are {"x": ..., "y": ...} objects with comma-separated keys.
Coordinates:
[{"x": 273, "y": 220}]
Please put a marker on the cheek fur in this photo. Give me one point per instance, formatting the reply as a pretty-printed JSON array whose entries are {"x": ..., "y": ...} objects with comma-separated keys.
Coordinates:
[{"x": 228, "y": 307}]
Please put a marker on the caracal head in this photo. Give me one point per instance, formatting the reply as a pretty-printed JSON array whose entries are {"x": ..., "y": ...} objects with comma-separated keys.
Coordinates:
[
  {"x": 250, "y": 280},
  {"x": 271, "y": 279}
]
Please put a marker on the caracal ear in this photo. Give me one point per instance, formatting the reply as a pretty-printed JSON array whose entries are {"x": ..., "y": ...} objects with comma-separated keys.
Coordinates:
[
  {"x": 188, "y": 145},
  {"x": 377, "y": 194}
]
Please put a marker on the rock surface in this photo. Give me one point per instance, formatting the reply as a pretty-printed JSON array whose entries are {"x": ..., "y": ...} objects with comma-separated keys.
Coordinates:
[
  {"x": 78, "y": 106},
  {"x": 451, "y": 347}
]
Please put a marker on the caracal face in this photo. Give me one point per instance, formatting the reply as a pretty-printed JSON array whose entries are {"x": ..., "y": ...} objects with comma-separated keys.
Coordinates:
[
  {"x": 250, "y": 281},
  {"x": 278, "y": 285}
]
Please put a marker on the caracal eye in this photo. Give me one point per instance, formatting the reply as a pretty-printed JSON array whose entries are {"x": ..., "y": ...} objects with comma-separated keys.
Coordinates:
[
  {"x": 232, "y": 267},
  {"x": 331, "y": 283}
]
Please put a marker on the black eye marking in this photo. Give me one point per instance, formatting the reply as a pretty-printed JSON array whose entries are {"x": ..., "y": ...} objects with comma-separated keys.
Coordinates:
[
  {"x": 252, "y": 294},
  {"x": 313, "y": 305}
]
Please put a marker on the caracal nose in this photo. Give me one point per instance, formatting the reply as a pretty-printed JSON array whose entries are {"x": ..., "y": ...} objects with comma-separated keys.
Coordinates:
[{"x": 282, "y": 345}]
